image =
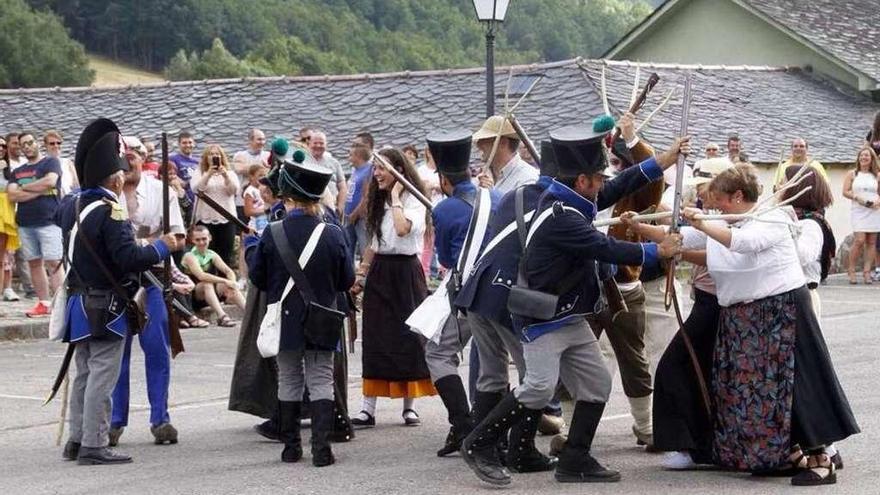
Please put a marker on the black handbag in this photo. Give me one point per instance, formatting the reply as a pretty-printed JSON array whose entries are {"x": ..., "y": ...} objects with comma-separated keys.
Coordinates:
[{"x": 322, "y": 326}]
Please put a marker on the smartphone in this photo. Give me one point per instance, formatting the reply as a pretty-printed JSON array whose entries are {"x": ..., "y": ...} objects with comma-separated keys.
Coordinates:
[{"x": 215, "y": 161}]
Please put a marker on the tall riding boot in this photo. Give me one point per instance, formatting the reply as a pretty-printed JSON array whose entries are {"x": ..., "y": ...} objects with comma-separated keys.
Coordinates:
[
  {"x": 452, "y": 393},
  {"x": 522, "y": 455},
  {"x": 479, "y": 447},
  {"x": 322, "y": 428},
  {"x": 288, "y": 432},
  {"x": 269, "y": 428},
  {"x": 576, "y": 465}
]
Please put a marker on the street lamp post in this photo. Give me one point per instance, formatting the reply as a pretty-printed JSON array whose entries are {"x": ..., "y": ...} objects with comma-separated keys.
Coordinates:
[{"x": 490, "y": 12}]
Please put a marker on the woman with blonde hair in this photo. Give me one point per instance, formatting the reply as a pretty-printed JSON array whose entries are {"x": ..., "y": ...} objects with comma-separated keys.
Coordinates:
[
  {"x": 861, "y": 186},
  {"x": 216, "y": 180},
  {"x": 8, "y": 229},
  {"x": 393, "y": 283}
]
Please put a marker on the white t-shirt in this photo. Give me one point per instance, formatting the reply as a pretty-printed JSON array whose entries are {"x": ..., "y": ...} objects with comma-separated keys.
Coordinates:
[
  {"x": 809, "y": 248},
  {"x": 413, "y": 242},
  {"x": 245, "y": 159}
]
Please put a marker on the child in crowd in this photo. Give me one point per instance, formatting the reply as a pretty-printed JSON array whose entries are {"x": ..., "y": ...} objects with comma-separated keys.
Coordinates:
[{"x": 254, "y": 205}]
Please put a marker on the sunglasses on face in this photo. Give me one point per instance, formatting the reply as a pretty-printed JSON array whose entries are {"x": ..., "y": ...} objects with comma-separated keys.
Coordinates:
[
  {"x": 54, "y": 143},
  {"x": 26, "y": 143}
]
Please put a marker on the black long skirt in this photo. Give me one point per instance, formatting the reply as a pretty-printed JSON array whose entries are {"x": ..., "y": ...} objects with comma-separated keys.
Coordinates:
[
  {"x": 680, "y": 419},
  {"x": 254, "y": 387},
  {"x": 393, "y": 356}
]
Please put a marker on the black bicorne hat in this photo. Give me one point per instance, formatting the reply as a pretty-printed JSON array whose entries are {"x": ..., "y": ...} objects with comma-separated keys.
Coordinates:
[
  {"x": 549, "y": 167},
  {"x": 451, "y": 150},
  {"x": 303, "y": 179},
  {"x": 100, "y": 152},
  {"x": 578, "y": 150}
]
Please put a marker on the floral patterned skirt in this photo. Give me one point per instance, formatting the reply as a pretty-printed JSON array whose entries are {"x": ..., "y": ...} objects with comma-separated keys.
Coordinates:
[{"x": 753, "y": 383}]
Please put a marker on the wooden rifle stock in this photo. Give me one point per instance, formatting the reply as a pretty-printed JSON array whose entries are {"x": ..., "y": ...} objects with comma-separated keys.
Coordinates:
[{"x": 176, "y": 340}]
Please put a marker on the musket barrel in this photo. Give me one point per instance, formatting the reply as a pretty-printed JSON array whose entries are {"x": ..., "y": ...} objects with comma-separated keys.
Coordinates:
[{"x": 405, "y": 183}]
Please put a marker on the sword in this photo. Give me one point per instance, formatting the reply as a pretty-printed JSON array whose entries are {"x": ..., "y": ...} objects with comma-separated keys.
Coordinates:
[{"x": 62, "y": 372}]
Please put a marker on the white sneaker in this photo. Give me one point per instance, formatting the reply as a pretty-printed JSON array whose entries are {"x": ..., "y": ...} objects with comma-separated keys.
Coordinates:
[
  {"x": 10, "y": 295},
  {"x": 678, "y": 461}
]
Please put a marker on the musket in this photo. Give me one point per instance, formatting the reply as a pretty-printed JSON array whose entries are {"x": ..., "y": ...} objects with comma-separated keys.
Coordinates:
[
  {"x": 653, "y": 79},
  {"x": 223, "y": 212},
  {"x": 671, "y": 298},
  {"x": 525, "y": 139},
  {"x": 175, "y": 338},
  {"x": 405, "y": 183}
]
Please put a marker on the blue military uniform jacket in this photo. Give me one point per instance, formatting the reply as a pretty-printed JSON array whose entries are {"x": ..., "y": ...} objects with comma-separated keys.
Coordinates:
[
  {"x": 452, "y": 217},
  {"x": 113, "y": 239},
  {"x": 329, "y": 271},
  {"x": 564, "y": 249},
  {"x": 485, "y": 291}
]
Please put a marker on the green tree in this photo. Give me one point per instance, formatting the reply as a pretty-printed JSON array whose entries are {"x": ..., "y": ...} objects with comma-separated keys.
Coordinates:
[
  {"x": 214, "y": 63},
  {"x": 37, "y": 51}
]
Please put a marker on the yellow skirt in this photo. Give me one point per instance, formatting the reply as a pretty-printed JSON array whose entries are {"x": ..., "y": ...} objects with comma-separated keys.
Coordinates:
[
  {"x": 396, "y": 390},
  {"x": 7, "y": 222}
]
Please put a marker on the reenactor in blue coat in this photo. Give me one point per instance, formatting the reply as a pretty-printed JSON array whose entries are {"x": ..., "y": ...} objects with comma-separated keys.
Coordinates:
[
  {"x": 105, "y": 268},
  {"x": 301, "y": 359},
  {"x": 556, "y": 285},
  {"x": 460, "y": 231}
]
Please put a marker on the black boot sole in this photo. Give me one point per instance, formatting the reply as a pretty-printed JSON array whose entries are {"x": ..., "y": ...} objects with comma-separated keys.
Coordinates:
[
  {"x": 469, "y": 459},
  {"x": 564, "y": 477},
  {"x": 86, "y": 461},
  {"x": 449, "y": 449}
]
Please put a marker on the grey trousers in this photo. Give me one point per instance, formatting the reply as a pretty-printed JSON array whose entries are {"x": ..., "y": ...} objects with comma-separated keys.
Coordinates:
[
  {"x": 97, "y": 369},
  {"x": 627, "y": 337},
  {"x": 443, "y": 358},
  {"x": 299, "y": 368},
  {"x": 571, "y": 353},
  {"x": 495, "y": 342}
]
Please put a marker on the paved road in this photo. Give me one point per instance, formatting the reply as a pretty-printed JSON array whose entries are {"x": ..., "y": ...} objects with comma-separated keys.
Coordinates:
[{"x": 218, "y": 452}]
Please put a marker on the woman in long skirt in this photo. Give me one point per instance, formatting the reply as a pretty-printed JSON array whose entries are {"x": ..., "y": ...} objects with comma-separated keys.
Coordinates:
[
  {"x": 393, "y": 283},
  {"x": 775, "y": 391}
]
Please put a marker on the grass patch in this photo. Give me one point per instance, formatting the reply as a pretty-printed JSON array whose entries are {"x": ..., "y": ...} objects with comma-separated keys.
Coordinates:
[{"x": 111, "y": 73}]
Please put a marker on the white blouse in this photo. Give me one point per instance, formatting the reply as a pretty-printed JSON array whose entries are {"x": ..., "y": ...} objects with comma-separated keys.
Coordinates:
[
  {"x": 809, "y": 247},
  {"x": 762, "y": 260},
  {"x": 220, "y": 191},
  {"x": 413, "y": 242}
]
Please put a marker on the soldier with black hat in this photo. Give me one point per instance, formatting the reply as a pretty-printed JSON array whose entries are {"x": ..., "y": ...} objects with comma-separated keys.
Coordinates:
[
  {"x": 460, "y": 231},
  {"x": 304, "y": 357},
  {"x": 105, "y": 263},
  {"x": 556, "y": 286}
]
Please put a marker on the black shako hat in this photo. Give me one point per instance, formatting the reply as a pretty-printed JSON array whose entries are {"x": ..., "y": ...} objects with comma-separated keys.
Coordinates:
[
  {"x": 548, "y": 160},
  {"x": 100, "y": 152},
  {"x": 578, "y": 150},
  {"x": 451, "y": 150},
  {"x": 303, "y": 179}
]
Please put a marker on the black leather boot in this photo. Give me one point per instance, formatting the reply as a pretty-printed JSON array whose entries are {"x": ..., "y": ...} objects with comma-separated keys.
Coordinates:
[
  {"x": 454, "y": 398},
  {"x": 288, "y": 432},
  {"x": 322, "y": 428},
  {"x": 576, "y": 465},
  {"x": 71, "y": 451},
  {"x": 522, "y": 455},
  {"x": 479, "y": 448},
  {"x": 343, "y": 431},
  {"x": 269, "y": 429}
]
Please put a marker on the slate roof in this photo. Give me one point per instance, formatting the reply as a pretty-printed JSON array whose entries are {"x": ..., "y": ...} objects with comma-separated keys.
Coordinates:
[
  {"x": 848, "y": 29},
  {"x": 398, "y": 108},
  {"x": 766, "y": 106}
]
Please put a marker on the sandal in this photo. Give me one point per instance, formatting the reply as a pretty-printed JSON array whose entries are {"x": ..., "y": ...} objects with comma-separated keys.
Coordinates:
[
  {"x": 867, "y": 277},
  {"x": 225, "y": 321},
  {"x": 182, "y": 323},
  {"x": 819, "y": 471},
  {"x": 196, "y": 322}
]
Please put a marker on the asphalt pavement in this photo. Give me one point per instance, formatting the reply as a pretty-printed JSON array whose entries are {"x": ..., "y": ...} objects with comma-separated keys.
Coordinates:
[{"x": 219, "y": 453}]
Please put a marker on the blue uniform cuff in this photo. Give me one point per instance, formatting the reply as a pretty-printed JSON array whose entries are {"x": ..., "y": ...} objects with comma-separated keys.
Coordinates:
[
  {"x": 650, "y": 255},
  {"x": 651, "y": 169},
  {"x": 161, "y": 248},
  {"x": 251, "y": 240}
]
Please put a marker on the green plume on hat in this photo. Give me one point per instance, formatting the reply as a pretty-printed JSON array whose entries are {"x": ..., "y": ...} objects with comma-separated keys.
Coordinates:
[{"x": 603, "y": 123}]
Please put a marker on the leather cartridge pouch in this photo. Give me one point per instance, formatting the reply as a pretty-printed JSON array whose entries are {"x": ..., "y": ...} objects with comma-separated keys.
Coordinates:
[
  {"x": 323, "y": 326},
  {"x": 102, "y": 307},
  {"x": 532, "y": 303}
]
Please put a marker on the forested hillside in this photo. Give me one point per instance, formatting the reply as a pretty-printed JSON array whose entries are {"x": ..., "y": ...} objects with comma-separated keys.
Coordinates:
[{"x": 227, "y": 38}]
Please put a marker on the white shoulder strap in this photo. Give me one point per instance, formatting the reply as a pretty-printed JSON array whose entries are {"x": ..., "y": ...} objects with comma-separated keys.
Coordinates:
[
  {"x": 305, "y": 256},
  {"x": 82, "y": 218},
  {"x": 479, "y": 233},
  {"x": 506, "y": 231},
  {"x": 544, "y": 216}
]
